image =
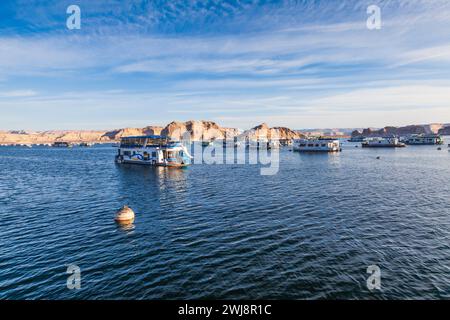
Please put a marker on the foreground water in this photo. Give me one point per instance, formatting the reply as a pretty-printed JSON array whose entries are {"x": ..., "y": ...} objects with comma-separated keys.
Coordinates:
[{"x": 225, "y": 231}]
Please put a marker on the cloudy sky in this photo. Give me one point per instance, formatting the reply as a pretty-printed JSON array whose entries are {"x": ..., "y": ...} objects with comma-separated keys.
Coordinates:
[{"x": 301, "y": 64}]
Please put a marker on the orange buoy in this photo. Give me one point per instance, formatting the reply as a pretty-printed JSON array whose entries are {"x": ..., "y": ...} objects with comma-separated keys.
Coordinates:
[{"x": 125, "y": 215}]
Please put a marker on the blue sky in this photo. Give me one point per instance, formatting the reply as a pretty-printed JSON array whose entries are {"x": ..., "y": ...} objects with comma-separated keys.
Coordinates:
[{"x": 301, "y": 64}]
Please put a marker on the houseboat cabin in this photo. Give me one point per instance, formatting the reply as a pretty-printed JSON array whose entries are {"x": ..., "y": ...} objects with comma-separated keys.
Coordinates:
[
  {"x": 382, "y": 143},
  {"x": 424, "y": 139},
  {"x": 317, "y": 145},
  {"x": 153, "y": 150}
]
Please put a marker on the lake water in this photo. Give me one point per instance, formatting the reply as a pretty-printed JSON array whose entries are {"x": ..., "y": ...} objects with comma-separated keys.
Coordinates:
[{"x": 225, "y": 231}]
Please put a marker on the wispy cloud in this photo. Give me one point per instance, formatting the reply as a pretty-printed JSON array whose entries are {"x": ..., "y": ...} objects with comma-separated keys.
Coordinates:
[
  {"x": 17, "y": 93},
  {"x": 226, "y": 60}
]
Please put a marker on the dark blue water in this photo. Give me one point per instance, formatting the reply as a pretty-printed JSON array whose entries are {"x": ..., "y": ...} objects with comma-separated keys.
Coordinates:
[{"x": 225, "y": 231}]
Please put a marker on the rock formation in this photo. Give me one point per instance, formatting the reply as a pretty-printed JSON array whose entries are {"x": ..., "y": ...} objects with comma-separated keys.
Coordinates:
[
  {"x": 12, "y": 137},
  {"x": 263, "y": 131},
  {"x": 198, "y": 130},
  {"x": 115, "y": 135}
]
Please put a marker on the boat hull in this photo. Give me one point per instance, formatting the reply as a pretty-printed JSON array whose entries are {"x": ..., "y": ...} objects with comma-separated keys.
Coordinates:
[
  {"x": 384, "y": 146},
  {"x": 153, "y": 164},
  {"x": 425, "y": 143},
  {"x": 316, "y": 151}
]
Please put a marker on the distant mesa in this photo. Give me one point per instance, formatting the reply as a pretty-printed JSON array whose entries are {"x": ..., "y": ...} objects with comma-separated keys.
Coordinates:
[
  {"x": 115, "y": 135},
  {"x": 402, "y": 131}
]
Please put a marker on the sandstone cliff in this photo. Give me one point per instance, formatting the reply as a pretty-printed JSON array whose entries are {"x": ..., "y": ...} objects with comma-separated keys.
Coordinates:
[
  {"x": 13, "y": 137},
  {"x": 198, "y": 130},
  {"x": 263, "y": 131},
  {"x": 115, "y": 135}
]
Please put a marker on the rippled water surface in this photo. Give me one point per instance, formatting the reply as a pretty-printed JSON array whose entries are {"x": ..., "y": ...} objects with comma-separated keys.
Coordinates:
[{"x": 225, "y": 231}]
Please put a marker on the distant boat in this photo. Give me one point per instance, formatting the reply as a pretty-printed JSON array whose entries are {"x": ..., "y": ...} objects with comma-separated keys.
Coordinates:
[
  {"x": 424, "y": 139},
  {"x": 85, "y": 144},
  {"x": 357, "y": 139},
  {"x": 317, "y": 145},
  {"x": 61, "y": 144},
  {"x": 383, "y": 143},
  {"x": 207, "y": 143}
]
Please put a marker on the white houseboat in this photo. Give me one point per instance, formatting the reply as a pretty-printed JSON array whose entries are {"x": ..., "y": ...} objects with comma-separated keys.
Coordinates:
[
  {"x": 153, "y": 150},
  {"x": 424, "y": 139},
  {"x": 317, "y": 145},
  {"x": 382, "y": 143}
]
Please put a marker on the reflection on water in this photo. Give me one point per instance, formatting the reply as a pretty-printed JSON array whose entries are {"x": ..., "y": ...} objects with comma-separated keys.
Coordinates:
[{"x": 126, "y": 227}]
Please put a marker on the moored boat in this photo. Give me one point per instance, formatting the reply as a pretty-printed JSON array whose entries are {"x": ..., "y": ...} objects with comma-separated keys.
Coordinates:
[
  {"x": 207, "y": 143},
  {"x": 357, "y": 139},
  {"x": 85, "y": 144},
  {"x": 382, "y": 143},
  {"x": 424, "y": 139},
  {"x": 61, "y": 144},
  {"x": 153, "y": 150},
  {"x": 317, "y": 145}
]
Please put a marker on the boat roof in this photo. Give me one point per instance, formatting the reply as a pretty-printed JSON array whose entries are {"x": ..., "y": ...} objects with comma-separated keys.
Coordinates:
[
  {"x": 318, "y": 139},
  {"x": 145, "y": 137}
]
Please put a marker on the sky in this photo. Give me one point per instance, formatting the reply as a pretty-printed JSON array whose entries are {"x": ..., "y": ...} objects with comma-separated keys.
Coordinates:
[{"x": 300, "y": 64}]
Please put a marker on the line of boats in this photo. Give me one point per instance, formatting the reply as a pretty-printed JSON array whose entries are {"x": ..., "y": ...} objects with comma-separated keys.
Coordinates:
[
  {"x": 334, "y": 145},
  {"x": 57, "y": 144},
  {"x": 161, "y": 151}
]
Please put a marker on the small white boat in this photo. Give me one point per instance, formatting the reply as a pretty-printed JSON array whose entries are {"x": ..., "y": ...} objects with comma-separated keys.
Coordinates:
[
  {"x": 153, "y": 150},
  {"x": 317, "y": 145},
  {"x": 383, "y": 143}
]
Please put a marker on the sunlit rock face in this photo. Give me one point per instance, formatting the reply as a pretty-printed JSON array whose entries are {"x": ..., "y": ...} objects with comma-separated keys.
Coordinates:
[
  {"x": 198, "y": 130},
  {"x": 263, "y": 131}
]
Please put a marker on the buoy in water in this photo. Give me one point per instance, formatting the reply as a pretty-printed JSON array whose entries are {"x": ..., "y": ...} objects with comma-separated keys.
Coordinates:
[
  {"x": 378, "y": 158},
  {"x": 125, "y": 215},
  {"x": 439, "y": 148}
]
